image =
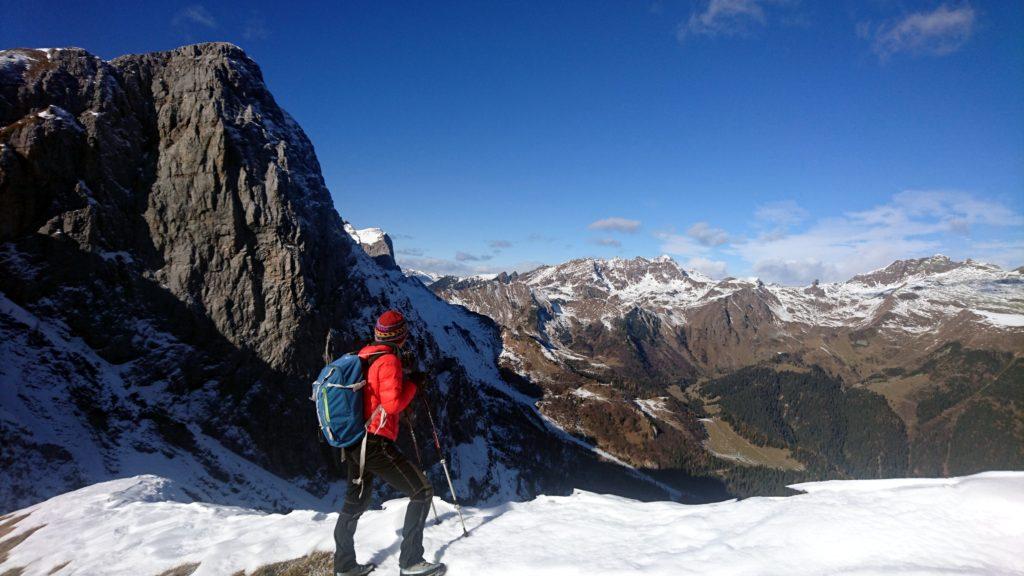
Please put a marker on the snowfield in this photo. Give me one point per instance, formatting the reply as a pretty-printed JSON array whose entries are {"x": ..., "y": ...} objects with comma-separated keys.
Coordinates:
[{"x": 145, "y": 525}]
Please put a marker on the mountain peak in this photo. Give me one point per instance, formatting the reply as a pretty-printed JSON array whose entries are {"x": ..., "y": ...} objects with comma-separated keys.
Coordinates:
[
  {"x": 902, "y": 269},
  {"x": 375, "y": 242}
]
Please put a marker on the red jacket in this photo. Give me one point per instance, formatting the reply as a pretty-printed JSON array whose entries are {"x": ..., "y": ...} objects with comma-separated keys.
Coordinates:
[{"x": 387, "y": 388}]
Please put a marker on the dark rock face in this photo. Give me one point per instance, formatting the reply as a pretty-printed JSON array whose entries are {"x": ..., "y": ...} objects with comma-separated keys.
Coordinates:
[
  {"x": 173, "y": 273},
  {"x": 220, "y": 189}
]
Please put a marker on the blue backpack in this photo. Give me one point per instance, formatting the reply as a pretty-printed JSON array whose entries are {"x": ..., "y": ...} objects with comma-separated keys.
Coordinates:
[{"x": 338, "y": 393}]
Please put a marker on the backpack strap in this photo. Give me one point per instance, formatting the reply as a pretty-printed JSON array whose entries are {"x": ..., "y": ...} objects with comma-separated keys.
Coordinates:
[
  {"x": 380, "y": 410},
  {"x": 362, "y": 447}
]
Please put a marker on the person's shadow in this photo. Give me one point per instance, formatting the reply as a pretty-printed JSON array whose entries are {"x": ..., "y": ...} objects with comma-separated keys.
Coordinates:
[
  {"x": 395, "y": 546},
  {"x": 496, "y": 512}
]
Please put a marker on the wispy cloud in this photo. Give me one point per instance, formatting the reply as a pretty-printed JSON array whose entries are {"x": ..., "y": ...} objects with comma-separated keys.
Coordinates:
[
  {"x": 1008, "y": 253},
  {"x": 255, "y": 27},
  {"x": 783, "y": 213},
  {"x": 936, "y": 33},
  {"x": 609, "y": 242},
  {"x": 196, "y": 14},
  {"x": 791, "y": 247},
  {"x": 456, "y": 268},
  {"x": 438, "y": 266},
  {"x": 615, "y": 224},
  {"x": 912, "y": 224},
  {"x": 707, "y": 235},
  {"x": 681, "y": 244},
  {"x": 467, "y": 257},
  {"x": 499, "y": 244},
  {"x": 735, "y": 18},
  {"x": 716, "y": 269}
]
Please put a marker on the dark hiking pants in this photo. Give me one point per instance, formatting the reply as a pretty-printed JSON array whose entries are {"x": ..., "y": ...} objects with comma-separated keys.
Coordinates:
[{"x": 384, "y": 461}]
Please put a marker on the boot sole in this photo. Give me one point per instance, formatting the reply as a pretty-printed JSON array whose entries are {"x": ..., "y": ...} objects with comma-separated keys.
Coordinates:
[{"x": 439, "y": 572}]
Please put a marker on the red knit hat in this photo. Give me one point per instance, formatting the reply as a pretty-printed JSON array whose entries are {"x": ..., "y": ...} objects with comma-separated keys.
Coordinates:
[{"x": 391, "y": 327}]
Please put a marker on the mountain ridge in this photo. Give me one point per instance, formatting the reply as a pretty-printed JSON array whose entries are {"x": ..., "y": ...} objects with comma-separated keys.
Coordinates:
[{"x": 627, "y": 334}]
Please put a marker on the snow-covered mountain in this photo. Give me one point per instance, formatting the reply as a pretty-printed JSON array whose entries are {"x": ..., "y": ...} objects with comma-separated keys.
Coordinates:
[
  {"x": 908, "y": 295},
  {"x": 148, "y": 525},
  {"x": 624, "y": 335},
  {"x": 910, "y": 308},
  {"x": 427, "y": 278},
  {"x": 376, "y": 243},
  {"x": 173, "y": 274}
]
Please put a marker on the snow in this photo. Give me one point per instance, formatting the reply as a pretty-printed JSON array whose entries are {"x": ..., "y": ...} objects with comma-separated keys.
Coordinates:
[
  {"x": 969, "y": 525},
  {"x": 59, "y": 114},
  {"x": 367, "y": 236},
  {"x": 652, "y": 406},
  {"x": 10, "y": 59},
  {"x": 588, "y": 395},
  {"x": 427, "y": 278},
  {"x": 1001, "y": 319},
  {"x": 29, "y": 388}
]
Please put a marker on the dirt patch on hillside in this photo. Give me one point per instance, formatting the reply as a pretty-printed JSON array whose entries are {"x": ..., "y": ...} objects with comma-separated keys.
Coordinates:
[{"x": 726, "y": 443}]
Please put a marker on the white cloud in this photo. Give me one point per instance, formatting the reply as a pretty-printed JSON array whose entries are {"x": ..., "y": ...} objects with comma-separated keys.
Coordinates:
[
  {"x": 435, "y": 265},
  {"x": 794, "y": 271},
  {"x": 911, "y": 224},
  {"x": 706, "y": 235},
  {"x": 939, "y": 32},
  {"x": 1006, "y": 253},
  {"x": 716, "y": 269},
  {"x": 680, "y": 244},
  {"x": 454, "y": 268},
  {"x": 195, "y": 14},
  {"x": 499, "y": 244},
  {"x": 616, "y": 224},
  {"x": 734, "y": 18}
]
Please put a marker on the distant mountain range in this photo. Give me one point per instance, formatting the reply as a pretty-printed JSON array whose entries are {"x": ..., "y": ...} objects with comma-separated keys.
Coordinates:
[{"x": 651, "y": 344}]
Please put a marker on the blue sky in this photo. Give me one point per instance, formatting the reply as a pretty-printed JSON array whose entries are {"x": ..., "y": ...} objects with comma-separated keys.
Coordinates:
[{"x": 787, "y": 139}]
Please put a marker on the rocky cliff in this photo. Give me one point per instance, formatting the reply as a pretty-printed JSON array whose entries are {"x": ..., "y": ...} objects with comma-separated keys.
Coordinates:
[{"x": 172, "y": 275}]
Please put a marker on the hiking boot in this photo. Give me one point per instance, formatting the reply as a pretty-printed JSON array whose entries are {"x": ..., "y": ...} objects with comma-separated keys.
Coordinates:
[
  {"x": 425, "y": 568},
  {"x": 358, "y": 570}
]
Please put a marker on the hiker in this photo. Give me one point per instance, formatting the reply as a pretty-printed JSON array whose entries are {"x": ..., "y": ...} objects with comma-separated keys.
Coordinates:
[{"x": 386, "y": 395}]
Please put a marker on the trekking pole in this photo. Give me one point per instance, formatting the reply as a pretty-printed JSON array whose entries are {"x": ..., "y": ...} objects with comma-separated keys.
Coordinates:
[
  {"x": 444, "y": 464},
  {"x": 419, "y": 458}
]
